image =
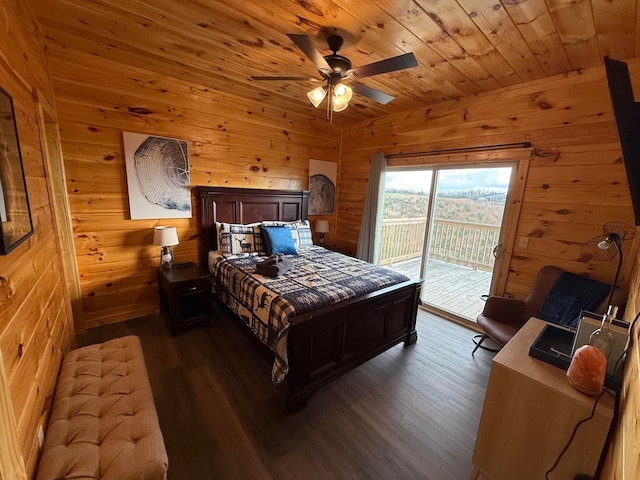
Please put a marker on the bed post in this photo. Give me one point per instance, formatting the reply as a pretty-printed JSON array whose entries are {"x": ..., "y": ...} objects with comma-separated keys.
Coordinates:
[
  {"x": 412, "y": 334},
  {"x": 206, "y": 225}
]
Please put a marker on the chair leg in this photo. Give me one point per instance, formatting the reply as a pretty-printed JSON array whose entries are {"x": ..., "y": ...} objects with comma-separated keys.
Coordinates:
[{"x": 479, "y": 342}]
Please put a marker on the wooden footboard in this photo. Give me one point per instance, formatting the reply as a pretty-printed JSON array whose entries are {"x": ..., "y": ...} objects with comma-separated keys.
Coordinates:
[{"x": 330, "y": 342}]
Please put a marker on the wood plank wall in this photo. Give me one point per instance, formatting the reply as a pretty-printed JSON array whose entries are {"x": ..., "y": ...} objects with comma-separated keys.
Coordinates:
[
  {"x": 231, "y": 142},
  {"x": 623, "y": 459},
  {"x": 34, "y": 328},
  {"x": 576, "y": 180}
]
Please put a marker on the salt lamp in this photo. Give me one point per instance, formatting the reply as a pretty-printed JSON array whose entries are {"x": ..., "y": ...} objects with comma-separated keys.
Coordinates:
[{"x": 587, "y": 370}]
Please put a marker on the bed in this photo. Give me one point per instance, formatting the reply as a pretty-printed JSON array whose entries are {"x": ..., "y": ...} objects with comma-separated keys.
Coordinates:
[{"x": 325, "y": 343}]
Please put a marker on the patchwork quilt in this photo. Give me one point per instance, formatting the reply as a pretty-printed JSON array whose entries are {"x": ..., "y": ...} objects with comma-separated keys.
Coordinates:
[{"x": 318, "y": 279}]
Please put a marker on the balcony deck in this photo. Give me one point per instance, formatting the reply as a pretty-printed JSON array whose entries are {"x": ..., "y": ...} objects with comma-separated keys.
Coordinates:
[{"x": 448, "y": 286}]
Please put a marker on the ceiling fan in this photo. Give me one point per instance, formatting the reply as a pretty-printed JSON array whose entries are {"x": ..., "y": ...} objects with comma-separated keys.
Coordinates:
[{"x": 334, "y": 68}]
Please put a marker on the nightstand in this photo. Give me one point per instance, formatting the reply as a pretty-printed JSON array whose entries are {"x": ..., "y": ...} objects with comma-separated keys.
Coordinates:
[{"x": 185, "y": 294}]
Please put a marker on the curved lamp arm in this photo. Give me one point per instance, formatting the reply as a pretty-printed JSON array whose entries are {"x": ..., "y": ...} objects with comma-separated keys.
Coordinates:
[{"x": 616, "y": 241}]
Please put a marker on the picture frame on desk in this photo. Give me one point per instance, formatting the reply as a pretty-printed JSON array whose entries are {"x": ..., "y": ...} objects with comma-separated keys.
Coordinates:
[
  {"x": 588, "y": 323},
  {"x": 556, "y": 344}
]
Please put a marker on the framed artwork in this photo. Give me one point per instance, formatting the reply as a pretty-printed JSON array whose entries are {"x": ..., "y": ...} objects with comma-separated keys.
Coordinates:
[
  {"x": 15, "y": 217},
  {"x": 157, "y": 176},
  {"x": 322, "y": 187}
]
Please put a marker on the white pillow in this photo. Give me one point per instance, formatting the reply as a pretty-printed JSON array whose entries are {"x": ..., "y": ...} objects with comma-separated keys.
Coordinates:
[{"x": 234, "y": 238}]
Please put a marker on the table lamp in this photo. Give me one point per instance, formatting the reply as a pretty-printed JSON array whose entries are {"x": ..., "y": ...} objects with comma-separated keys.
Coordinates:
[
  {"x": 322, "y": 227},
  {"x": 588, "y": 368},
  {"x": 166, "y": 237}
]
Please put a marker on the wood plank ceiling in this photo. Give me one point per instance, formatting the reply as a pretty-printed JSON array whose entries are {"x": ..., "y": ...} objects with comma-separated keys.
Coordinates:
[{"x": 463, "y": 47}]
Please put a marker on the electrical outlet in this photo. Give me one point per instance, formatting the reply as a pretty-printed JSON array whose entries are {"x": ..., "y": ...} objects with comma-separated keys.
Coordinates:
[
  {"x": 40, "y": 435},
  {"x": 523, "y": 242}
]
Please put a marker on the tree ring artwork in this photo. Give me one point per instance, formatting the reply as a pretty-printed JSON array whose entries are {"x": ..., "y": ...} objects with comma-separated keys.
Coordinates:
[
  {"x": 322, "y": 187},
  {"x": 157, "y": 176}
]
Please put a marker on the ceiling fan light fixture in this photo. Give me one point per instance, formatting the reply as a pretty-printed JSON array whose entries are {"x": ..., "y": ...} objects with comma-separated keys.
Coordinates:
[
  {"x": 339, "y": 106},
  {"x": 317, "y": 95},
  {"x": 334, "y": 67},
  {"x": 342, "y": 94}
]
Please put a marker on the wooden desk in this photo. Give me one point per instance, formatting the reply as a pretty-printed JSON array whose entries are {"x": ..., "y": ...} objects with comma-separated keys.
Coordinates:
[{"x": 528, "y": 415}]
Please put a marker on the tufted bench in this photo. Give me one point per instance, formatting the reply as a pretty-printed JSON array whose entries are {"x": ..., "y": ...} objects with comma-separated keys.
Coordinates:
[{"x": 103, "y": 422}]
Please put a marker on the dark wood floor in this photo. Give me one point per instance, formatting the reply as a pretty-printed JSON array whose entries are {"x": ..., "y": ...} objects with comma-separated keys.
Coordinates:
[{"x": 410, "y": 413}]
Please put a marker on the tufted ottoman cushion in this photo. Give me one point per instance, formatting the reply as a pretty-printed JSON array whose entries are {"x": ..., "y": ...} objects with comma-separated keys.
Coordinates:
[{"x": 103, "y": 422}]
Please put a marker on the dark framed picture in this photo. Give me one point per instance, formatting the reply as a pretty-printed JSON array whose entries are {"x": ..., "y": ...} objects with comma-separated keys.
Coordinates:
[{"x": 15, "y": 217}]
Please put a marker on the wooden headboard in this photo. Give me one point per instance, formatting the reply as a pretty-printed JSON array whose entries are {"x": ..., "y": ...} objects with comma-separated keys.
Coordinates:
[{"x": 243, "y": 205}]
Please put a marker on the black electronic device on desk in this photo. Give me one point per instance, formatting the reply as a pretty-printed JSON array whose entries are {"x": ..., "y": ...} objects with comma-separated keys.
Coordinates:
[{"x": 555, "y": 345}]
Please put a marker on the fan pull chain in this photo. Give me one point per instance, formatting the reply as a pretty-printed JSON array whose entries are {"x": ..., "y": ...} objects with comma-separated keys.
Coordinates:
[{"x": 330, "y": 104}]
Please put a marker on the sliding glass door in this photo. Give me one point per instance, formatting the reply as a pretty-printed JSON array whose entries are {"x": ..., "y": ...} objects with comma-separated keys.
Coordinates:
[
  {"x": 464, "y": 232},
  {"x": 404, "y": 220},
  {"x": 443, "y": 224}
]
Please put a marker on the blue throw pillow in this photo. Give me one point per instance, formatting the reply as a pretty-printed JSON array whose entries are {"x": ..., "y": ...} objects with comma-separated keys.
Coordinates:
[{"x": 278, "y": 239}]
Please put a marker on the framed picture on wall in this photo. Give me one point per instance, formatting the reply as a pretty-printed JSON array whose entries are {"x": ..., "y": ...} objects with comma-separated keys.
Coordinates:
[
  {"x": 157, "y": 176},
  {"x": 15, "y": 216},
  {"x": 322, "y": 187}
]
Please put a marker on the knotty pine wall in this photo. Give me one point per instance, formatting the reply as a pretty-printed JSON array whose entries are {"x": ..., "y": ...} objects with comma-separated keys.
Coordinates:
[
  {"x": 623, "y": 459},
  {"x": 575, "y": 183},
  {"x": 231, "y": 143},
  {"x": 35, "y": 329}
]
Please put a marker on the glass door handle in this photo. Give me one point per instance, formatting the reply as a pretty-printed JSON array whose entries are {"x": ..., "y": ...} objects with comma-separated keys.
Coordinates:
[{"x": 496, "y": 250}]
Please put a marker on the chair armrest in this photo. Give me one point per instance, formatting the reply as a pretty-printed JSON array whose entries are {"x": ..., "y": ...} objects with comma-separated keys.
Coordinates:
[{"x": 504, "y": 310}]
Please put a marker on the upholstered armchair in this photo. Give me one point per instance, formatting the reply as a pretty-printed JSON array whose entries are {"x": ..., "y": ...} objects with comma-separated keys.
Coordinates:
[{"x": 502, "y": 317}]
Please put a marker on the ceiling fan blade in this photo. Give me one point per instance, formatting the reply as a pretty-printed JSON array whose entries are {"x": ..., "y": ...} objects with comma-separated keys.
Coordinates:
[
  {"x": 300, "y": 79},
  {"x": 304, "y": 43},
  {"x": 407, "y": 60},
  {"x": 371, "y": 93}
]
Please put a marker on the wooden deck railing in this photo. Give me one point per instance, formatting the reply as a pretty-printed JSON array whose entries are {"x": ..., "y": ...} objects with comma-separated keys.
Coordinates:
[{"x": 462, "y": 243}]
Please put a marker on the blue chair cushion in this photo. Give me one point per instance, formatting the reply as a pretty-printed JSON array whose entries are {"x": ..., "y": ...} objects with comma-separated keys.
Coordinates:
[{"x": 569, "y": 295}]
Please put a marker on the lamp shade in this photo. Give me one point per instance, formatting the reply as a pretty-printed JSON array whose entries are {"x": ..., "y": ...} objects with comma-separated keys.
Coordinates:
[
  {"x": 165, "y": 236},
  {"x": 341, "y": 96},
  {"x": 317, "y": 95},
  {"x": 342, "y": 93},
  {"x": 339, "y": 107},
  {"x": 608, "y": 245},
  {"x": 322, "y": 226}
]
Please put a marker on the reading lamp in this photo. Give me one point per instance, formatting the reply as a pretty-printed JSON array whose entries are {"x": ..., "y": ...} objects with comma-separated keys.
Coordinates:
[
  {"x": 166, "y": 237},
  {"x": 608, "y": 245},
  {"x": 322, "y": 227},
  {"x": 588, "y": 367}
]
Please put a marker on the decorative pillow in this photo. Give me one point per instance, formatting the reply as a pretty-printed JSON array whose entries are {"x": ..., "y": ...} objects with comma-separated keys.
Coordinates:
[
  {"x": 236, "y": 238},
  {"x": 300, "y": 232},
  {"x": 278, "y": 239}
]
